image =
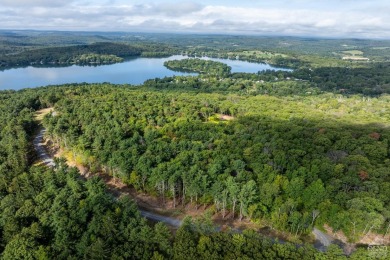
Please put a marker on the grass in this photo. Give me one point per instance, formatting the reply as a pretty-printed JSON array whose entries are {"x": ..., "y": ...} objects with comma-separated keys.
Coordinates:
[
  {"x": 40, "y": 114},
  {"x": 354, "y": 53}
]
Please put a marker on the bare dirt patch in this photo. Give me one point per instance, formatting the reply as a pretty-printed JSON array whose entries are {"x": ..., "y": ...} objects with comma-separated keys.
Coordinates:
[
  {"x": 225, "y": 117},
  {"x": 369, "y": 239},
  {"x": 39, "y": 115}
]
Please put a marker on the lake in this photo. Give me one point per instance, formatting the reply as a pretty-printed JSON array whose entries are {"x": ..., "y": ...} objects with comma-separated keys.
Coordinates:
[{"x": 134, "y": 72}]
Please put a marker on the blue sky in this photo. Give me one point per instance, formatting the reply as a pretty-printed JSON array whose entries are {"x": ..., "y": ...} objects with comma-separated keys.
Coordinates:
[{"x": 323, "y": 18}]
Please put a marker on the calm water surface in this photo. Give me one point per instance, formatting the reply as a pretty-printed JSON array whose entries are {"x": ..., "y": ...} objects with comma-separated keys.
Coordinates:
[{"x": 133, "y": 72}]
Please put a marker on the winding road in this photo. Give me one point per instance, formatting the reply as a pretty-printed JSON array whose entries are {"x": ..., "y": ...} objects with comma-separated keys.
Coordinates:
[
  {"x": 40, "y": 148},
  {"x": 159, "y": 218},
  {"x": 322, "y": 240},
  {"x": 46, "y": 159}
]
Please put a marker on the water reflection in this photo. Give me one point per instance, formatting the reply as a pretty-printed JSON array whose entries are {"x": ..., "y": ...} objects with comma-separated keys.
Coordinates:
[{"x": 44, "y": 73}]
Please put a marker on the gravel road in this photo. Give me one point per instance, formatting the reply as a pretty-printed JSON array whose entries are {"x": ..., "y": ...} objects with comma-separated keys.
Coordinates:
[
  {"x": 322, "y": 240},
  {"x": 159, "y": 218},
  {"x": 40, "y": 148}
]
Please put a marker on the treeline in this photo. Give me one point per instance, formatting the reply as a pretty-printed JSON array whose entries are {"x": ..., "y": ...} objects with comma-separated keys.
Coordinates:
[
  {"x": 372, "y": 80},
  {"x": 238, "y": 83},
  {"x": 291, "y": 163},
  {"x": 98, "y": 52},
  {"x": 207, "y": 67}
]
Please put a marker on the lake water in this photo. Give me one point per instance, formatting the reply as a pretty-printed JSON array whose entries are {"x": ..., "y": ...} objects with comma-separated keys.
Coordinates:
[{"x": 133, "y": 72}]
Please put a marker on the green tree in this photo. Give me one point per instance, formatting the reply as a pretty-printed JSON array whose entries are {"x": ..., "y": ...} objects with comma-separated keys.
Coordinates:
[{"x": 246, "y": 196}]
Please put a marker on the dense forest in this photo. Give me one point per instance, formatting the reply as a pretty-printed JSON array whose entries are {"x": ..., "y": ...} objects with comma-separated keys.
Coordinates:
[
  {"x": 373, "y": 80},
  {"x": 48, "y": 213},
  {"x": 53, "y": 213},
  {"x": 293, "y": 163}
]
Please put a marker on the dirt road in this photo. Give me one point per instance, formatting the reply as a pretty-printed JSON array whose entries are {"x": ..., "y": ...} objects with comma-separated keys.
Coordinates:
[
  {"x": 46, "y": 159},
  {"x": 40, "y": 148},
  {"x": 159, "y": 218},
  {"x": 322, "y": 240}
]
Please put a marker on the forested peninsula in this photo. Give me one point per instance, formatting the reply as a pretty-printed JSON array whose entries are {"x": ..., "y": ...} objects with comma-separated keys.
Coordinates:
[{"x": 89, "y": 54}]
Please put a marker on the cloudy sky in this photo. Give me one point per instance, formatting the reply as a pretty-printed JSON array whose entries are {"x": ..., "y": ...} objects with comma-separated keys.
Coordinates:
[{"x": 325, "y": 18}]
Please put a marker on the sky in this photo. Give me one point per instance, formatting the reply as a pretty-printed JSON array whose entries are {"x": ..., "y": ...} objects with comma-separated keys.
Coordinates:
[{"x": 319, "y": 18}]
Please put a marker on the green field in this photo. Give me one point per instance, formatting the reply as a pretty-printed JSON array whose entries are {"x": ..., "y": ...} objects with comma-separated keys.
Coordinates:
[{"x": 354, "y": 52}]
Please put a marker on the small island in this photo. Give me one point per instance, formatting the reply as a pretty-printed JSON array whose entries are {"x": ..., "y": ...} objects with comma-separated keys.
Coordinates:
[
  {"x": 201, "y": 66},
  {"x": 96, "y": 59}
]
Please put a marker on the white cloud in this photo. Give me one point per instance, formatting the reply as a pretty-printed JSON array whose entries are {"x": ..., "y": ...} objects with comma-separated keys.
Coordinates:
[
  {"x": 175, "y": 9},
  {"x": 304, "y": 19},
  {"x": 29, "y": 3}
]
